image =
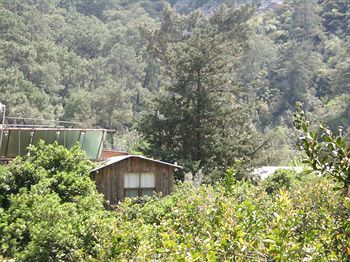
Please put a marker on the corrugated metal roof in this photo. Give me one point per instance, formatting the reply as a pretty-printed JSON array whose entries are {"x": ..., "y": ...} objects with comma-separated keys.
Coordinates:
[{"x": 116, "y": 159}]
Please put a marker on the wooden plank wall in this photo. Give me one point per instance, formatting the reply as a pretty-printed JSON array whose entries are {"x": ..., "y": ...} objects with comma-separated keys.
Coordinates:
[{"x": 110, "y": 179}]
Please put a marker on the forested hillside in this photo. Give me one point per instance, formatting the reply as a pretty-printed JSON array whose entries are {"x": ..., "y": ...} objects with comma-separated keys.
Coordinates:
[{"x": 203, "y": 84}]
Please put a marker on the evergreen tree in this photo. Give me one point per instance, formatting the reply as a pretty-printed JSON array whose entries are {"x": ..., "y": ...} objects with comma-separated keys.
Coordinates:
[
  {"x": 341, "y": 75},
  {"x": 300, "y": 61},
  {"x": 193, "y": 121},
  {"x": 336, "y": 17}
]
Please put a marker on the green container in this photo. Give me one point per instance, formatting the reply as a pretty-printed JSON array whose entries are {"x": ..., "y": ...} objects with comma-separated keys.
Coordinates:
[
  {"x": 49, "y": 136},
  {"x": 16, "y": 140},
  {"x": 91, "y": 142},
  {"x": 69, "y": 138}
]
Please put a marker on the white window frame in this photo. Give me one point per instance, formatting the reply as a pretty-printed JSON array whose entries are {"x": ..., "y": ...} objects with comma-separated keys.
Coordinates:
[{"x": 139, "y": 187}]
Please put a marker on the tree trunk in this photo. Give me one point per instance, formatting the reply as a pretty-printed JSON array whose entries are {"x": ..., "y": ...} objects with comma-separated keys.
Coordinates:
[
  {"x": 197, "y": 145},
  {"x": 346, "y": 190}
]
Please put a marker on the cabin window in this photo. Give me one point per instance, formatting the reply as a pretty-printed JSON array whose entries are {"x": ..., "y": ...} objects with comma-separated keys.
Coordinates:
[{"x": 139, "y": 184}]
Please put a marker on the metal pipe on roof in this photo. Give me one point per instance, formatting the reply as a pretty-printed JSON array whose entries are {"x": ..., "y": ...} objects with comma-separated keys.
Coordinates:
[
  {"x": 38, "y": 119},
  {"x": 43, "y": 126},
  {"x": 55, "y": 128}
]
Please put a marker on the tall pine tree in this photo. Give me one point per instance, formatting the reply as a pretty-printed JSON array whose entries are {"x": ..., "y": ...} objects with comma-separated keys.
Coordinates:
[{"x": 198, "y": 119}]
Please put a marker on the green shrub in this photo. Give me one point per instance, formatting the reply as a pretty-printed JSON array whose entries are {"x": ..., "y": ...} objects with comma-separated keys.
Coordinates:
[
  {"x": 50, "y": 209},
  {"x": 307, "y": 222},
  {"x": 327, "y": 153},
  {"x": 57, "y": 215},
  {"x": 66, "y": 170},
  {"x": 281, "y": 178}
]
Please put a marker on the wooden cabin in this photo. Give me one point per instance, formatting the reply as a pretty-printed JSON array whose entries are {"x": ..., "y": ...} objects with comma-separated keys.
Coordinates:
[{"x": 130, "y": 175}]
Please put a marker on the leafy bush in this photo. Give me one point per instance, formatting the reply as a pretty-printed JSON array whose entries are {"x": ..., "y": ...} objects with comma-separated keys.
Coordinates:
[
  {"x": 325, "y": 152},
  {"x": 282, "y": 178},
  {"x": 308, "y": 222},
  {"x": 58, "y": 215},
  {"x": 50, "y": 209},
  {"x": 67, "y": 172}
]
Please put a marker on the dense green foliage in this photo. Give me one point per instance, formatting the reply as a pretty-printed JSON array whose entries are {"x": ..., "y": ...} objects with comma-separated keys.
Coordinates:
[
  {"x": 242, "y": 223},
  {"x": 104, "y": 63},
  {"x": 49, "y": 207},
  {"x": 326, "y": 152},
  {"x": 55, "y": 214},
  {"x": 210, "y": 86},
  {"x": 199, "y": 120},
  {"x": 281, "y": 179}
]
